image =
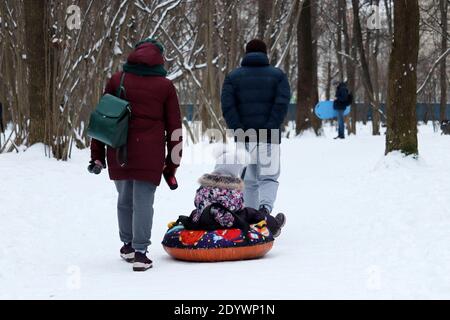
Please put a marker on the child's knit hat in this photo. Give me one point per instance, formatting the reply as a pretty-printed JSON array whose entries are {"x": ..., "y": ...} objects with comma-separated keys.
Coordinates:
[{"x": 231, "y": 160}]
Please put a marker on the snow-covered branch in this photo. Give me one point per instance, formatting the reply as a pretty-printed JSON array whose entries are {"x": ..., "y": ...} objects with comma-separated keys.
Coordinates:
[{"x": 430, "y": 73}]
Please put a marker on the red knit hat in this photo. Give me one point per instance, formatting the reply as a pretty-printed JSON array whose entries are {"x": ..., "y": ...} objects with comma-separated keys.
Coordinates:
[{"x": 256, "y": 45}]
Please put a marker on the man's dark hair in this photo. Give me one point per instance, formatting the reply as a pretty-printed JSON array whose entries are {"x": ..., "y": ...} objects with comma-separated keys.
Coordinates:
[{"x": 256, "y": 45}]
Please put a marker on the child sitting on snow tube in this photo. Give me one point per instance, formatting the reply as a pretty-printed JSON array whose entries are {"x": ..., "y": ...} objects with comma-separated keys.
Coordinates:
[
  {"x": 219, "y": 201},
  {"x": 220, "y": 214}
]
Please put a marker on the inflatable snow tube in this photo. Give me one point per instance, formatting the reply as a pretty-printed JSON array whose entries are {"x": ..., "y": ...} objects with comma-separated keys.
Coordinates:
[{"x": 219, "y": 245}]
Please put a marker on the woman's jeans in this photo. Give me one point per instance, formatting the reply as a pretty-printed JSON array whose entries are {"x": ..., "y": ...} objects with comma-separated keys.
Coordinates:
[
  {"x": 341, "y": 123},
  {"x": 135, "y": 212}
]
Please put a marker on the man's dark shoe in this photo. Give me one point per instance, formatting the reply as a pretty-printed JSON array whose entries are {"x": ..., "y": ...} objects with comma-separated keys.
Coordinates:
[
  {"x": 127, "y": 253},
  {"x": 141, "y": 262}
]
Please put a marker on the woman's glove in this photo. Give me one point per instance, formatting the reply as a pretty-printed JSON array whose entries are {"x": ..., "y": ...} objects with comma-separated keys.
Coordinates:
[
  {"x": 96, "y": 167},
  {"x": 169, "y": 175}
]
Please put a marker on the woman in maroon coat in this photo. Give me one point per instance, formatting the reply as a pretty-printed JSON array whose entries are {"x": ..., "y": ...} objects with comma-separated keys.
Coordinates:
[{"x": 154, "y": 125}]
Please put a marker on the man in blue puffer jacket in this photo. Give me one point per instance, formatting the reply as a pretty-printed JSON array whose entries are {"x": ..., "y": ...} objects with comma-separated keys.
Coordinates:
[{"x": 255, "y": 99}]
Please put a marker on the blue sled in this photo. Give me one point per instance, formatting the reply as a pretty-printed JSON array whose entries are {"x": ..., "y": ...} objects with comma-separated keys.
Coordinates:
[{"x": 325, "y": 110}]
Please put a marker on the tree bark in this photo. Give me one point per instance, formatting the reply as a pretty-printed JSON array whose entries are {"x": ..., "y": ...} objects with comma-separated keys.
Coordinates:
[
  {"x": 328, "y": 84},
  {"x": 367, "y": 81},
  {"x": 350, "y": 50},
  {"x": 376, "y": 119},
  {"x": 388, "y": 8},
  {"x": 402, "y": 89},
  {"x": 340, "y": 62},
  {"x": 36, "y": 58},
  {"x": 210, "y": 53},
  {"x": 443, "y": 71},
  {"x": 264, "y": 15},
  {"x": 308, "y": 94}
]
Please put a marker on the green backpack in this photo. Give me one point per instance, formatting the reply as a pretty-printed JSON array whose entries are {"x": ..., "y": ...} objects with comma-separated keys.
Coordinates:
[{"x": 109, "y": 121}]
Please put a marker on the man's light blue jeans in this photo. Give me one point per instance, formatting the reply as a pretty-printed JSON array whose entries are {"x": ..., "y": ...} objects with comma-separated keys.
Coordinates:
[{"x": 261, "y": 176}]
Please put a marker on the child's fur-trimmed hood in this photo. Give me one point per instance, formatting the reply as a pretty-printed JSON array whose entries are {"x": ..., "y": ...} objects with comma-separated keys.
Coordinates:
[{"x": 221, "y": 181}]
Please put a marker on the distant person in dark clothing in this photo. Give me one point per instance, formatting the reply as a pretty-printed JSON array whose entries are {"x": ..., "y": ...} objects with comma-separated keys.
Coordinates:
[{"x": 344, "y": 98}]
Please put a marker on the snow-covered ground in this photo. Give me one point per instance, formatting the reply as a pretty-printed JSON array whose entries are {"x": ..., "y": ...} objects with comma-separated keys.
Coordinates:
[{"x": 360, "y": 226}]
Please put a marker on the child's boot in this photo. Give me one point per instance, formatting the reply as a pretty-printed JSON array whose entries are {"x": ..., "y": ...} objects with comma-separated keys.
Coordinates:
[{"x": 281, "y": 222}]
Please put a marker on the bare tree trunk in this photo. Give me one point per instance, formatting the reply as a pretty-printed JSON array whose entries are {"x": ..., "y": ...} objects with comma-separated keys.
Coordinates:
[
  {"x": 351, "y": 71},
  {"x": 328, "y": 86},
  {"x": 341, "y": 18},
  {"x": 377, "y": 117},
  {"x": 316, "y": 122},
  {"x": 375, "y": 81},
  {"x": 231, "y": 38},
  {"x": 402, "y": 90},
  {"x": 366, "y": 108},
  {"x": 367, "y": 81},
  {"x": 350, "y": 50},
  {"x": 341, "y": 14},
  {"x": 308, "y": 95},
  {"x": 210, "y": 52},
  {"x": 388, "y": 8},
  {"x": 204, "y": 23},
  {"x": 264, "y": 14},
  {"x": 443, "y": 71},
  {"x": 36, "y": 57}
]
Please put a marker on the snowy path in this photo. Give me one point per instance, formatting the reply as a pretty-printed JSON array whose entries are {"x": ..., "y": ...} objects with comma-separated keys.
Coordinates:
[{"x": 360, "y": 226}]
